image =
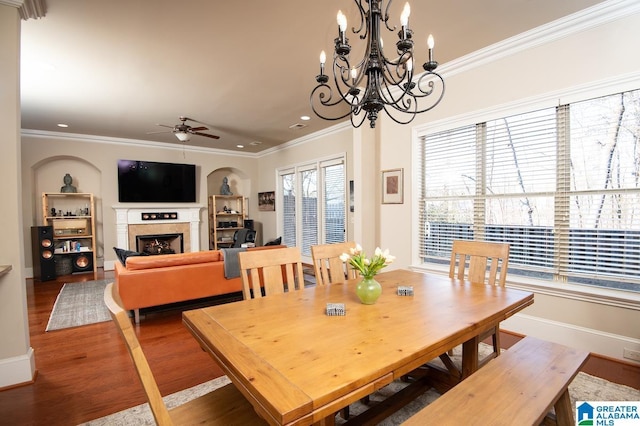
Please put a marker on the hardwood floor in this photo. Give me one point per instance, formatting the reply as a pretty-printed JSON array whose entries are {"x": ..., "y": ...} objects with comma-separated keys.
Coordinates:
[{"x": 85, "y": 372}]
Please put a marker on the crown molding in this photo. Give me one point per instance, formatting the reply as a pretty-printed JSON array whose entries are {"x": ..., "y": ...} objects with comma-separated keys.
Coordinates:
[
  {"x": 308, "y": 138},
  {"x": 33, "y": 9},
  {"x": 14, "y": 3},
  {"x": 43, "y": 134},
  {"x": 594, "y": 16}
]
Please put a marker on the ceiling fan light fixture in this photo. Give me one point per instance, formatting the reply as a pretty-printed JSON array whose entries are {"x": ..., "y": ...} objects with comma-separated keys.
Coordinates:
[{"x": 183, "y": 136}]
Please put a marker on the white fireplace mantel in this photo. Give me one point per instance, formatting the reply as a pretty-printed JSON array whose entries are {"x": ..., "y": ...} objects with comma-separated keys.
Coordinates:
[{"x": 126, "y": 215}]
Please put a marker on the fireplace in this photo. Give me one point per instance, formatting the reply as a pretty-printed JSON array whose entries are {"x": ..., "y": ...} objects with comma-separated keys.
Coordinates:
[
  {"x": 160, "y": 244},
  {"x": 177, "y": 219}
]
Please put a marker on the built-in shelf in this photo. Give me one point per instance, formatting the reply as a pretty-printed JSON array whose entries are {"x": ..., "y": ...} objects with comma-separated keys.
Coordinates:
[{"x": 4, "y": 269}]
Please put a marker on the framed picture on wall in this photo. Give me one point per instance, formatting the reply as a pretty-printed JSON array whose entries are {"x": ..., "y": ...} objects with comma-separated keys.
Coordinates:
[
  {"x": 267, "y": 201},
  {"x": 392, "y": 186}
]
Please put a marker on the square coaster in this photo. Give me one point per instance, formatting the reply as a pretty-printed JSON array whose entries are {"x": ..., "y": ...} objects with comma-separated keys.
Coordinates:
[
  {"x": 405, "y": 290},
  {"x": 335, "y": 309}
]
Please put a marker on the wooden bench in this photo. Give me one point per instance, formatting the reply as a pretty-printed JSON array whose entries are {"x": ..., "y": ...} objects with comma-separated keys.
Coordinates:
[{"x": 518, "y": 387}]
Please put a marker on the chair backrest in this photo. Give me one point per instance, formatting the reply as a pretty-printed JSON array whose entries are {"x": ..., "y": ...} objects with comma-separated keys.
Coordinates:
[
  {"x": 327, "y": 264},
  {"x": 272, "y": 270},
  {"x": 120, "y": 317},
  {"x": 479, "y": 255}
]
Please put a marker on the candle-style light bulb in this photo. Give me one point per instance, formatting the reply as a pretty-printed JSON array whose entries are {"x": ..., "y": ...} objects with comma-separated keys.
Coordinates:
[
  {"x": 430, "y": 43},
  {"x": 404, "y": 19},
  {"x": 323, "y": 59},
  {"x": 354, "y": 74},
  {"x": 409, "y": 66},
  {"x": 404, "y": 16},
  {"x": 342, "y": 25},
  {"x": 342, "y": 21}
]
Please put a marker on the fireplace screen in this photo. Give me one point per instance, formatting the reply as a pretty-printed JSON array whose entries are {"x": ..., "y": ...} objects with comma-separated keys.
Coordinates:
[{"x": 160, "y": 244}]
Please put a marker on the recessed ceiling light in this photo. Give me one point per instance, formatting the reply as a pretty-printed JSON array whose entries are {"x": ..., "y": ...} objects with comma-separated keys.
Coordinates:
[
  {"x": 305, "y": 118},
  {"x": 63, "y": 125},
  {"x": 239, "y": 146}
]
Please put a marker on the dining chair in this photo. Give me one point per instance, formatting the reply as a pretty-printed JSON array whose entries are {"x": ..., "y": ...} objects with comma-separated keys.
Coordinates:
[
  {"x": 471, "y": 260},
  {"x": 222, "y": 406},
  {"x": 274, "y": 271},
  {"x": 327, "y": 265},
  {"x": 328, "y": 269}
]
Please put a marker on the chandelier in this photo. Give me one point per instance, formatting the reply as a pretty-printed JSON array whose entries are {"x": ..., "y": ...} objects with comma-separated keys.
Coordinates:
[{"x": 376, "y": 83}]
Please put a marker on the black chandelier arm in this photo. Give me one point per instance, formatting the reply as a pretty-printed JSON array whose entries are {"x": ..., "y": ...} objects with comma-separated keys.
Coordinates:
[
  {"x": 322, "y": 91},
  {"x": 385, "y": 18},
  {"x": 407, "y": 95},
  {"x": 410, "y": 115},
  {"x": 403, "y": 102},
  {"x": 426, "y": 84},
  {"x": 363, "y": 15},
  {"x": 432, "y": 86},
  {"x": 394, "y": 72},
  {"x": 361, "y": 118},
  {"x": 343, "y": 81}
]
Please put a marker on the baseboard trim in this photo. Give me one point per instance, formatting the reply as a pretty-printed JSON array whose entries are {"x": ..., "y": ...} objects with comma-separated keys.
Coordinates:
[
  {"x": 109, "y": 265},
  {"x": 595, "y": 341},
  {"x": 17, "y": 370}
]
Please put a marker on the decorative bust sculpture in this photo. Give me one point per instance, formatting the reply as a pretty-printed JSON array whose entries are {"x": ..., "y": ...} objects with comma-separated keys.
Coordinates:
[
  {"x": 67, "y": 184},
  {"x": 224, "y": 189}
]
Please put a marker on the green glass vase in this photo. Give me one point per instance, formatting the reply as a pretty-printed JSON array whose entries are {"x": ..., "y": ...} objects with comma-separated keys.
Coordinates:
[{"x": 368, "y": 290}]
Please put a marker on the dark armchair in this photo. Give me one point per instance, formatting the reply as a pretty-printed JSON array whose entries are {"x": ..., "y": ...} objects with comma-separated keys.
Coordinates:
[{"x": 242, "y": 236}]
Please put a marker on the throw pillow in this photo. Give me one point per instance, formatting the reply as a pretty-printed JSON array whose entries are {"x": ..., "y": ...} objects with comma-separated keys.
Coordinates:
[
  {"x": 275, "y": 242},
  {"x": 122, "y": 254}
]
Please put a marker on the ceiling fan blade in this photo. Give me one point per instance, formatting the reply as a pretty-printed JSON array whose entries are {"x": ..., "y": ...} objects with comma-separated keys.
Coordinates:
[
  {"x": 198, "y": 129},
  {"x": 164, "y": 125},
  {"x": 164, "y": 131},
  {"x": 206, "y": 135},
  {"x": 197, "y": 121}
]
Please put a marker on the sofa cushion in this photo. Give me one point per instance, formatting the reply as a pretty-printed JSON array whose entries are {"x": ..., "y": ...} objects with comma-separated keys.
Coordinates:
[
  {"x": 179, "y": 259},
  {"x": 123, "y": 254}
]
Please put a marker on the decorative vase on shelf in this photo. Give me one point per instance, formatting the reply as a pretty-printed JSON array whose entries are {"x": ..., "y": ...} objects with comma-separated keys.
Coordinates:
[{"x": 368, "y": 290}]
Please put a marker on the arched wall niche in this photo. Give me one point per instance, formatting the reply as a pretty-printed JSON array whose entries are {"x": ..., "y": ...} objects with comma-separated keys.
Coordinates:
[
  {"x": 240, "y": 184},
  {"x": 48, "y": 176}
]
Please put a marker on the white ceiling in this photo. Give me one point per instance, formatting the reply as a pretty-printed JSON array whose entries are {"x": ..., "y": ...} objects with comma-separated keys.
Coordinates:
[{"x": 116, "y": 68}]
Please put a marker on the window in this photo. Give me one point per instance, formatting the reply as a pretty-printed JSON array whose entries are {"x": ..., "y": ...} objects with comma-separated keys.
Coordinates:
[
  {"x": 288, "y": 197},
  {"x": 560, "y": 185},
  {"x": 318, "y": 216}
]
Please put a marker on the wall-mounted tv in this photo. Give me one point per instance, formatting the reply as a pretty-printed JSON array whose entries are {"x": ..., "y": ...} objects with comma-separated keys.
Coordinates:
[{"x": 152, "y": 182}]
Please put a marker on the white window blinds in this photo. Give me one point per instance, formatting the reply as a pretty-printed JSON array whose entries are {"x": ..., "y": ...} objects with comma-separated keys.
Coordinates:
[
  {"x": 318, "y": 214},
  {"x": 560, "y": 185}
]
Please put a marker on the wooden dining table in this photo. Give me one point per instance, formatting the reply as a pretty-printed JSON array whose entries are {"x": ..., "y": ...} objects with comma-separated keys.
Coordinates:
[{"x": 297, "y": 365}]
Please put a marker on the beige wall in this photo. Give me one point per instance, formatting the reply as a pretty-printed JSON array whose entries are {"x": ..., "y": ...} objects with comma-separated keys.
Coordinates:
[
  {"x": 337, "y": 140},
  {"x": 17, "y": 364},
  {"x": 580, "y": 62},
  {"x": 92, "y": 163}
]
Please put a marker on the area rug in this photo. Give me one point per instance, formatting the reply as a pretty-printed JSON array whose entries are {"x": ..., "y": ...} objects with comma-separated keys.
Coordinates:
[
  {"x": 79, "y": 303},
  {"x": 583, "y": 388}
]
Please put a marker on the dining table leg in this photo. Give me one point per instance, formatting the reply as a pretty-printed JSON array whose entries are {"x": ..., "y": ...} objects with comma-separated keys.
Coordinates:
[{"x": 470, "y": 357}]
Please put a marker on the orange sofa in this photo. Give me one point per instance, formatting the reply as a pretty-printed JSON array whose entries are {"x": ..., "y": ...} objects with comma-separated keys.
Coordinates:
[{"x": 159, "y": 280}]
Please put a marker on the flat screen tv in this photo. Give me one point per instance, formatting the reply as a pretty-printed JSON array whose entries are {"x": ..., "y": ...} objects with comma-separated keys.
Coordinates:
[{"x": 152, "y": 182}]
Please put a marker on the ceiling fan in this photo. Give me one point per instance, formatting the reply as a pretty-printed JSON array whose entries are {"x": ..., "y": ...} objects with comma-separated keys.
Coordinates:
[{"x": 183, "y": 131}]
